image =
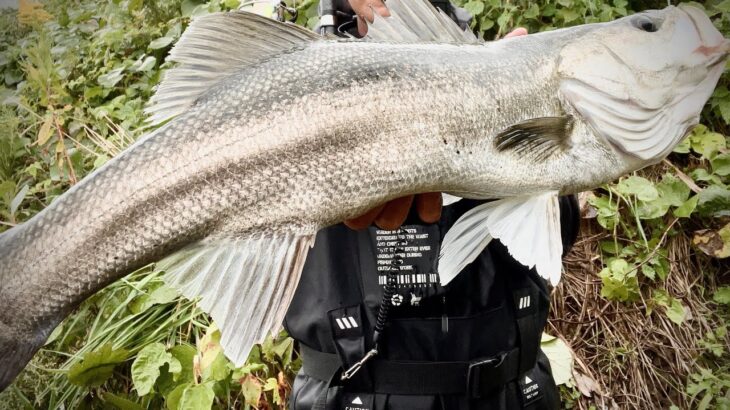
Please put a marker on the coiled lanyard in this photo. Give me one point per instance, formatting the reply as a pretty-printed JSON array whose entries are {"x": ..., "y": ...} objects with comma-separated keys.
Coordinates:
[{"x": 385, "y": 303}]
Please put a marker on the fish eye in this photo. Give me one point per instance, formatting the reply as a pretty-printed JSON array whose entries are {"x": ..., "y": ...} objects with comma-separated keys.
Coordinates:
[{"x": 644, "y": 23}]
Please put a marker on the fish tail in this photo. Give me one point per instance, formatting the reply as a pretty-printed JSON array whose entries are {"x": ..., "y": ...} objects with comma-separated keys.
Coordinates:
[
  {"x": 15, "y": 353},
  {"x": 16, "y": 345}
]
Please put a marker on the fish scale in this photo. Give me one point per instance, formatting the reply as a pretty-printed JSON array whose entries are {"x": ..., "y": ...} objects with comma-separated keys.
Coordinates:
[{"x": 265, "y": 148}]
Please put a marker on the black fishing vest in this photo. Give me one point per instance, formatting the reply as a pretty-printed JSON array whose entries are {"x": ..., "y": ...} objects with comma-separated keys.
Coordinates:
[{"x": 471, "y": 345}]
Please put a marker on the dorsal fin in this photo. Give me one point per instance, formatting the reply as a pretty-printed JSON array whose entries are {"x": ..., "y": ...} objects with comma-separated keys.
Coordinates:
[
  {"x": 417, "y": 22},
  {"x": 212, "y": 48}
]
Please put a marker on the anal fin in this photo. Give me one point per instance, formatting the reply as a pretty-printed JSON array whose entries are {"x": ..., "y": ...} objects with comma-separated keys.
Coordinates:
[{"x": 245, "y": 284}]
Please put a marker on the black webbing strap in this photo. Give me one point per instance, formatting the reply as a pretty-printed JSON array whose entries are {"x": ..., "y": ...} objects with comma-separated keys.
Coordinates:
[
  {"x": 475, "y": 379},
  {"x": 526, "y": 310},
  {"x": 530, "y": 342},
  {"x": 317, "y": 364}
]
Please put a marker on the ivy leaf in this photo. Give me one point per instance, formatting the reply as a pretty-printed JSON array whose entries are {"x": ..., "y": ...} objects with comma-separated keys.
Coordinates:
[
  {"x": 159, "y": 43},
  {"x": 686, "y": 209},
  {"x": 561, "y": 359},
  {"x": 252, "y": 390},
  {"x": 199, "y": 397},
  {"x": 167, "y": 382},
  {"x": 676, "y": 312},
  {"x": 188, "y": 7},
  {"x": 474, "y": 7},
  {"x": 161, "y": 295},
  {"x": 653, "y": 209},
  {"x": 714, "y": 200},
  {"x": 724, "y": 107},
  {"x": 172, "y": 400},
  {"x": 674, "y": 309},
  {"x": 486, "y": 24},
  {"x": 96, "y": 367},
  {"x": 218, "y": 369},
  {"x": 683, "y": 147},
  {"x": 209, "y": 347},
  {"x": 146, "y": 367},
  {"x": 701, "y": 174},
  {"x": 722, "y": 295},
  {"x": 568, "y": 15},
  {"x": 503, "y": 20},
  {"x": 185, "y": 354},
  {"x": 661, "y": 264},
  {"x": 110, "y": 79},
  {"x": 660, "y": 297},
  {"x": 705, "y": 142},
  {"x": 120, "y": 402},
  {"x": 721, "y": 164},
  {"x": 619, "y": 281},
  {"x": 610, "y": 247},
  {"x": 606, "y": 210},
  {"x": 271, "y": 384},
  {"x": 249, "y": 368},
  {"x": 648, "y": 271},
  {"x": 639, "y": 186},
  {"x": 144, "y": 65},
  {"x": 283, "y": 348},
  {"x": 672, "y": 190},
  {"x": 724, "y": 6},
  {"x": 532, "y": 12}
]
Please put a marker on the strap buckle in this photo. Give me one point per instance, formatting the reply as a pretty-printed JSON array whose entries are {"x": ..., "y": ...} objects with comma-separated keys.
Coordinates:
[{"x": 474, "y": 374}]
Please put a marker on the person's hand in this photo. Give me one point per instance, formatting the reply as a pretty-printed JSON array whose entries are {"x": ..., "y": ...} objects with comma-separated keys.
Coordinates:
[
  {"x": 519, "y": 31},
  {"x": 391, "y": 215},
  {"x": 364, "y": 10}
]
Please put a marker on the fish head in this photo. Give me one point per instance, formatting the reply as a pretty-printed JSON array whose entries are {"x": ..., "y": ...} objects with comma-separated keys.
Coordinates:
[{"x": 640, "y": 82}]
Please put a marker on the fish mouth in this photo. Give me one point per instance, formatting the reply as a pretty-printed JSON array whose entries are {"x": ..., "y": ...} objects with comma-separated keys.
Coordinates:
[
  {"x": 708, "y": 35},
  {"x": 719, "y": 55}
]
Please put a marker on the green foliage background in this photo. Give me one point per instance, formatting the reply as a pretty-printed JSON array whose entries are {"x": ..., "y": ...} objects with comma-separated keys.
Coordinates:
[{"x": 77, "y": 74}]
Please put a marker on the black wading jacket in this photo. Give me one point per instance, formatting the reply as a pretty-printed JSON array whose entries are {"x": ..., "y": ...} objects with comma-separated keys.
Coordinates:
[{"x": 471, "y": 345}]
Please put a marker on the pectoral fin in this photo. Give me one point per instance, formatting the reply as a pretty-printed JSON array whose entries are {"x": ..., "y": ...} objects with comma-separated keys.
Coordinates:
[
  {"x": 529, "y": 226},
  {"x": 244, "y": 284},
  {"x": 536, "y": 138}
]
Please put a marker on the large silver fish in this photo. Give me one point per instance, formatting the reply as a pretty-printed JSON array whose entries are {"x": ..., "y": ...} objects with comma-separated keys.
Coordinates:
[{"x": 277, "y": 132}]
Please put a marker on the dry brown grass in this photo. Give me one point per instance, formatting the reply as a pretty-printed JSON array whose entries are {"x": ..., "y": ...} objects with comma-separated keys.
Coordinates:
[{"x": 637, "y": 360}]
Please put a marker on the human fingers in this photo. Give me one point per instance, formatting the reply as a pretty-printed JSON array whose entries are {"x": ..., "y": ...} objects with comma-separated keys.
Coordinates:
[
  {"x": 394, "y": 213},
  {"x": 428, "y": 206},
  {"x": 364, "y": 8},
  {"x": 519, "y": 31},
  {"x": 364, "y": 220}
]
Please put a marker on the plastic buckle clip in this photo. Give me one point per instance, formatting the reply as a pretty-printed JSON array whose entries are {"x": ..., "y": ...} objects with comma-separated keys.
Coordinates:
[{"x": 473, "y": 375}]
